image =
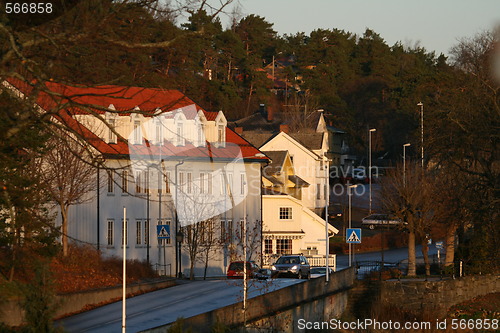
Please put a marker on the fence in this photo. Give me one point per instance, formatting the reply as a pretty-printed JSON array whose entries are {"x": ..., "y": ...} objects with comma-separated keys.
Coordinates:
[
  {"x": 459, "y": 268},
  {"x": 162, "y": 269}
]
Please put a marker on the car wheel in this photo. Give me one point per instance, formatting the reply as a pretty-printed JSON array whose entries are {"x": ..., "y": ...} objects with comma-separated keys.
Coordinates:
[{"x": 299, "y": 275}]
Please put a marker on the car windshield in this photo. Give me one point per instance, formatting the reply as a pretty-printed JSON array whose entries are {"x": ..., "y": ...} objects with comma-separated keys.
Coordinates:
[
  {"x": 288, "y": 260},
  {"x": 238, "y": 266}
]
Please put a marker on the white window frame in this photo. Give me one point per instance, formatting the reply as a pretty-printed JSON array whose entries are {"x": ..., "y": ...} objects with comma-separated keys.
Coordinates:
[
  {"x": 110, "y": 232},
  {"x": 285, "y": 213}
]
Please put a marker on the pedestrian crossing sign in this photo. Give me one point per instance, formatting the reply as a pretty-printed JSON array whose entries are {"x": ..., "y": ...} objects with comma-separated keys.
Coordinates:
[
  {"x": 163, "y": 231},
  {"x": 353, "y": 236}
]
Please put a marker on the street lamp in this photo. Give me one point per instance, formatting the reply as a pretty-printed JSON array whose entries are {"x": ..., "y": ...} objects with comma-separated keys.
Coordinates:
[
  {"x": 422, "y": 131},
  {"x": 404, "y": 162},
  {"x": 177, "y": 229},
  {"x": 349, "y": 193},
  {"x": 370, "y": 163}
]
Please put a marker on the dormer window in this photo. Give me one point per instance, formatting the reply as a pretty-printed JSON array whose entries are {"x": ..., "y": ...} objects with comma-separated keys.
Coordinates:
[
  {"x": 111, "y": 128},
  {"x": 137, "y": 132},
  {"x": 180, "y": 135},
  {"x": 221, "y": 134},
  {"x": 201, "y": 134}
]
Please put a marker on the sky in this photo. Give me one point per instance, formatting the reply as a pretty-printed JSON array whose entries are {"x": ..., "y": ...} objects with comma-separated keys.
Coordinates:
[{"x": 436, "y": 25}]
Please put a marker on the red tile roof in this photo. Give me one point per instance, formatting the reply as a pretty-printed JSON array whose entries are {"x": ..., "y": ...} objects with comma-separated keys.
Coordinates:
[{"x": 66, "y": 101}]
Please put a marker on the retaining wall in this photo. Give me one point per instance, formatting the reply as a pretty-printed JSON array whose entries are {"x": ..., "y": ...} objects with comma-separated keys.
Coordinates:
[
  {"x": 437, "y": 296},
  {"x": 11, "y": 314},
  {"x": 311, "y": 300}
]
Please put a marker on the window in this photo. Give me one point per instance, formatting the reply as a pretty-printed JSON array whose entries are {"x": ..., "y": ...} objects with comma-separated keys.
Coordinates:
[
  {"x": 242, "y": 230},
  {"x": 180, "y": 135},
  {"x": 138, "y": 184},
  {"x": 138, "y": 234},
  {"x": 284, "y": 246},
  {"x": 137, "y": 132},
  {"x": 124, "y": 232},
  {"x": 285, "y": 213},
  {"x": 220, "y": 134},
  {"x": 201, "y": 135},
  {"x": 111, "y": 134},
  {"x": 202, "y": 183},
  {"x": 268, "y": 246},
  {"x": 223, "y": 231},
  {"x": 230, "y": 231},
  {"x": 189, "y": 182},
  {"x": 318, "y": 191},
  {"x": 111, "y": 182},
  {"x": 110, "y": 232},
  {"x": 242, "y": 184},
  {"x": 124, "y": 181}
]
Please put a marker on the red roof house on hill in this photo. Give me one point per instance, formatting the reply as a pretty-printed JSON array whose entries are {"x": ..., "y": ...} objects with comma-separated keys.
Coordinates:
[{"x": 187, "y": 167}]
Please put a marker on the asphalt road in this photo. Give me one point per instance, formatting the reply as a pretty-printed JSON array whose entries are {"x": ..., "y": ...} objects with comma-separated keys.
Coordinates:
[{"x": 165, "y": 306}]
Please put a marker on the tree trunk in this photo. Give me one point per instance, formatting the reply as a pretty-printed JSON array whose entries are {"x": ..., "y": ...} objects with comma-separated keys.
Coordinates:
[
  {"x": 425, "y": 253},
  {"x": 450, "y": 245},
  {"x": 411, "y": 254},
  {"x": 206, "y": 263},
  {"x": 64, "y": 225}
]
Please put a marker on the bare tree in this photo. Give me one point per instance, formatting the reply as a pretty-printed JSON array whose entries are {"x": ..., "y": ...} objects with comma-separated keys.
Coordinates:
[
  {"x": 406, "y": 195},
  {"x": 68, "y": 178}
]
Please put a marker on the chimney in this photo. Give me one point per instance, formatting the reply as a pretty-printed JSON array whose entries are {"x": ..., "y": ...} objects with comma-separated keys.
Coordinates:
[
  {"x": 284, "y": 128},
  {"x": 238, "y": 130},
  {"x": 270, "y": 114}
]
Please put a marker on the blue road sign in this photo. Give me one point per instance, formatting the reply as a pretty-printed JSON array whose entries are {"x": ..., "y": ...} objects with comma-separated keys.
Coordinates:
[
  {"x": 353, "y": 236},
  {"x": 163, "y": 231}
]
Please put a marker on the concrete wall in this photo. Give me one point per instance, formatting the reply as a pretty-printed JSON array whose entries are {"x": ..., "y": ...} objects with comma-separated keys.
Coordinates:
[
  {"x": 12, "y": 315},
  {"x": 437, "y": 296},
  {"x": 311, "y": 300}
]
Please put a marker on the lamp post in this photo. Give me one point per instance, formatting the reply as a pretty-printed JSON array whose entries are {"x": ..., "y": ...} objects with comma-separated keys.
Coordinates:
[
  {"x": 370, "y": 164},
  {"x": 177, "y": 229},
  {"x": 327, "y": 203},
  {"x": 404, "y": 162},
  {"x": 349, "y": 194},
  {"x": 421, "y": 132}
]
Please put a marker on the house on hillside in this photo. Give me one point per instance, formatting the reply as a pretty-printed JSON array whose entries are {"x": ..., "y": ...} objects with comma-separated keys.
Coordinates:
[
  {"x": 184, "y": 177},
  {"x": 288, "y": 226}
]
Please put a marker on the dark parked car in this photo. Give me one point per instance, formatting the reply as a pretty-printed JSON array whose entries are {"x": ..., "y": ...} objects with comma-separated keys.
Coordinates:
[
  {"x": 292, "y": 266},
  {"x": 235, "y": 270},
  {"x": 379, "y": 220}
]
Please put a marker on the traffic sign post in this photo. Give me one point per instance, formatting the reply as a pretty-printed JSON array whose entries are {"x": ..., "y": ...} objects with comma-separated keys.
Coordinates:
[
  {"x": 163, "y": 231},
  {"x": 353, "y": 236}
]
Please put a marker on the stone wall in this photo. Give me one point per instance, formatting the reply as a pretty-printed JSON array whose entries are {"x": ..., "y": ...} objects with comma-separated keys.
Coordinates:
[{"x": 437, "y": 296}]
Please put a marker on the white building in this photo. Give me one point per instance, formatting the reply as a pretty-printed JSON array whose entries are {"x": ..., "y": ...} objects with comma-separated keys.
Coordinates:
[
  {"x": 311, "y": 166},
  {"x": 176, "y": 168},
  {"x": 288, "y": 226}
]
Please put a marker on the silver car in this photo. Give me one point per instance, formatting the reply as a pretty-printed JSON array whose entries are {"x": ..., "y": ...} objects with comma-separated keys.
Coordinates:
[{"x": 292, "y": 266}]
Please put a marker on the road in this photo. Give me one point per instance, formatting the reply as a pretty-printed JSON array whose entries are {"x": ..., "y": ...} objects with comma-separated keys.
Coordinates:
[
  {"x": 165, "y": 306},
  {"x": 189, "y": 299}
]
